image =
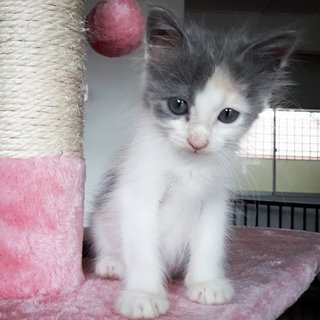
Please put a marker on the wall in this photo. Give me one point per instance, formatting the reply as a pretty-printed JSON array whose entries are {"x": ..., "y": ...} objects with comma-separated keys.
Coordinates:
[
  {"x": 255, "y": 175},
  {"x": 298, "y": 176},
  {"x": 113, "y": 92},
  {"x": 292, "y": 176}
]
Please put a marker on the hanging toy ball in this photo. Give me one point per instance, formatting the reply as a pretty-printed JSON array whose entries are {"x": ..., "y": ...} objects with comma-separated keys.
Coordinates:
[{"x": 115, "y": 27}]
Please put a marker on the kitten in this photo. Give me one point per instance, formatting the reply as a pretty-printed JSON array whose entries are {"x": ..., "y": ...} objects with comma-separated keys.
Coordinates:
[{"x": 163, "y": 208}]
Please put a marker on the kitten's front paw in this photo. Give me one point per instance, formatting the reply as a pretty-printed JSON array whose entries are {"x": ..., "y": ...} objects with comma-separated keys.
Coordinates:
[
  {"x": 108, "y": 267},
  {"x": 139, "y": 304},
  {"x": 212, "y": 292}
]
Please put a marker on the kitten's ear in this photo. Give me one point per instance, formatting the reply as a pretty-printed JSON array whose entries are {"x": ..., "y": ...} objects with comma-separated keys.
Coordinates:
[
  {"x": 163, "y": 29},
  {"x": 274, "y": 51}
]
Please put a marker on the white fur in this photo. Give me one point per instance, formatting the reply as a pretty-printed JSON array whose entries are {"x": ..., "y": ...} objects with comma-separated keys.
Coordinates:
[{"x": 170, "y": 206}]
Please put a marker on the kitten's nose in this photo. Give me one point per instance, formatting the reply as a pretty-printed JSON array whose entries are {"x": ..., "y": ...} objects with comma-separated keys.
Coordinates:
[
  {"x": 197, "y": 144},
  {"x": 198, "y": 138}
]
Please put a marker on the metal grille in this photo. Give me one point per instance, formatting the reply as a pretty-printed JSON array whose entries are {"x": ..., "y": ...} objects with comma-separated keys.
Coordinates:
[
  {"x": 276, "y": 214},
  {"x": 259, "y": 141},
  {"x": 297, "y": 136}
]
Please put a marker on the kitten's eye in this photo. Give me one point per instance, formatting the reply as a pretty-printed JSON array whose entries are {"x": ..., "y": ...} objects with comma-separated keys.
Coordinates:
[
  {"x": 177, "y": 106},
  {"x": 228, "y": 115}
]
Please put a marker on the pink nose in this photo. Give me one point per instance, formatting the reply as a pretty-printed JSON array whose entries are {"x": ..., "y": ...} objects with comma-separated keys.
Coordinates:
[{"x": 197, "y": 144}]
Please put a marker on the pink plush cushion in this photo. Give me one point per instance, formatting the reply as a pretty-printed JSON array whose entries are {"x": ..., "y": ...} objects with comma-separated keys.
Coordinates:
[
  {"x": 41, "y": 209},
  {"x": 270, "y": 269}
]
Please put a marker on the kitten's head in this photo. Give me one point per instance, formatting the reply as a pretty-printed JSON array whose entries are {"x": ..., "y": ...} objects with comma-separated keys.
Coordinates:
[{"x": 206, "y": 89}]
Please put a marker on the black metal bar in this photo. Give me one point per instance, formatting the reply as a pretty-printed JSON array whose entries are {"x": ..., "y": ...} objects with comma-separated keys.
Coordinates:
[
  {"x": 245, "y": 218},
  {"x": 234, "y": 210},
  {"x": 317, "y": 220},
  {"x": 268, "y": 216},
  {"x": 292, "y": 218},
  {"x": 257, "y": 214},
  {"x": 280, "y": 217},
  {"x": 304, "y": 219}
]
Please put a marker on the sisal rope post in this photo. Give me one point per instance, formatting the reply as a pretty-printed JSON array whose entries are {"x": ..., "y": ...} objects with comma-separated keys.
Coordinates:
[{"x": 42, "y": 72}]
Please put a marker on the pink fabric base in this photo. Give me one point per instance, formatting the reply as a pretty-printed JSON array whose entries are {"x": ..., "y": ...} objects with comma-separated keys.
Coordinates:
[
  {"x": 41, "y": 208},
  {"x": 270, "y": 269}
]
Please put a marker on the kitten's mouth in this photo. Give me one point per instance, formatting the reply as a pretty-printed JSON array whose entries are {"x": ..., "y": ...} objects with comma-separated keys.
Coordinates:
[
  {"x": 199, "y": 152},
  {"x": 198, "y": 145}
]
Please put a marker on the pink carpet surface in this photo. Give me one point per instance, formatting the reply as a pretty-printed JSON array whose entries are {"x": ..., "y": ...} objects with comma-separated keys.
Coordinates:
[{"x": 270, "y": 269}]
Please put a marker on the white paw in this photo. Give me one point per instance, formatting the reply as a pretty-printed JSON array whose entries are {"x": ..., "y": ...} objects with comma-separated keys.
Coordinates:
[
  {"x": 108, "y": 267},
  {"x": 137, "y": 304},
  {"x": 212, "y": 292}
]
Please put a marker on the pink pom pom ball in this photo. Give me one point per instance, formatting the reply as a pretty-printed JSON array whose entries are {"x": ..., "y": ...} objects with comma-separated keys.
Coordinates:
[{"x": 115, "y": 27}]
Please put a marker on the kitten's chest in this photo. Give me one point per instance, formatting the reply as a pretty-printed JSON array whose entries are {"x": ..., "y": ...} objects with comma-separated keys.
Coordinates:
[
  {"x": 189, "y": 183},
  {"x": 185, "y": 193},
  {"x": 179, "y": 211},
  {"x": 187, "y": 189}
]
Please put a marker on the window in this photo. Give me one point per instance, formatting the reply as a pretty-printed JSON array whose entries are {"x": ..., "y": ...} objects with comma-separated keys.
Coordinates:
[
  {"x": 259, "y": 141},
  {"x": 285, "y": 145}
]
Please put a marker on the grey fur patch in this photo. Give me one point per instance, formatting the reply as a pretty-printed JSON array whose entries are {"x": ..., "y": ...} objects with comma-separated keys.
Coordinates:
[{"x": 108, "y": 185}]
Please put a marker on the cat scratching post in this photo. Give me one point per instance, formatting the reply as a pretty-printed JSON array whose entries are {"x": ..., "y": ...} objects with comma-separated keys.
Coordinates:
[{"x": 41, "y": 165}]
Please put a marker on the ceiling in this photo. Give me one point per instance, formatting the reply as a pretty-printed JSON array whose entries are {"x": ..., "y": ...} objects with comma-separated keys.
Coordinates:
[
  {"x": 261, "y": 6},
  {"x": 303, "y": 15}
]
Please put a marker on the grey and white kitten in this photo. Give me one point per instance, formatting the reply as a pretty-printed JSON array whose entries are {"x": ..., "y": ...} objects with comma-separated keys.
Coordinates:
[{"x": 164, "y": 207}]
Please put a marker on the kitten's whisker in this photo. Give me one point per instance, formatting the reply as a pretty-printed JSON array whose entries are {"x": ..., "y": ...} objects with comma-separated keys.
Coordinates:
[{"x": 227, "y": 162}]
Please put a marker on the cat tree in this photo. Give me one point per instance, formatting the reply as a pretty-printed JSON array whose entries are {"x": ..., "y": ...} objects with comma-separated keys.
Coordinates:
[{"x": 42, "y": 67}]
